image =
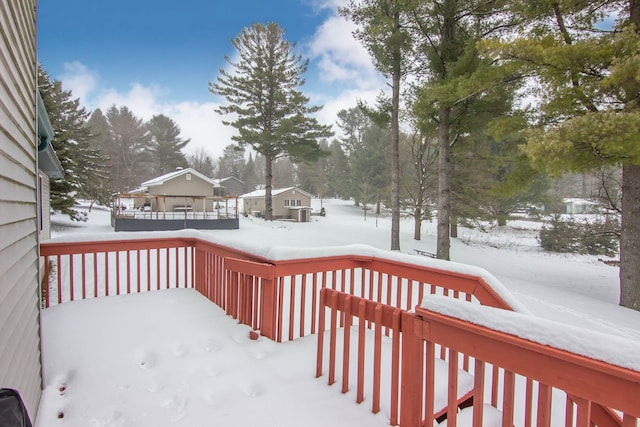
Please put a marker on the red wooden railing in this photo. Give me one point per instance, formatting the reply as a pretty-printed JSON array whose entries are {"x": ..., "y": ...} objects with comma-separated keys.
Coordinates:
[
  {"x": 286, "y": 299},
  {"x": 489, "y": 372},
  {"x": 288, "y": 289}
]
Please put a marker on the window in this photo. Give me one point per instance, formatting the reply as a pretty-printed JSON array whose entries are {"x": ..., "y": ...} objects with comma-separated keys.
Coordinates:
[
  {"x": 292, "y": 202},
  {"x": 188, "y": 177}
]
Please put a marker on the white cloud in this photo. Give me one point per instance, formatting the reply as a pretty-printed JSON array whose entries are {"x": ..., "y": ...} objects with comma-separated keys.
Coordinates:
[
  {"x": 341, "y": 57},
  {"x": 79, "y": 79},
  {"x": 197, "y": 121}
]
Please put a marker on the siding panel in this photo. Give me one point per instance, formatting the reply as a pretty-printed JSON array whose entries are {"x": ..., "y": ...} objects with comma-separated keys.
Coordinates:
[{"x": 19, "y": 301}]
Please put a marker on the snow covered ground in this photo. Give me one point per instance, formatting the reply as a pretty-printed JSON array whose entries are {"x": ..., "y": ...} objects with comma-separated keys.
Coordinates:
[{"x": 182, "y": 362}]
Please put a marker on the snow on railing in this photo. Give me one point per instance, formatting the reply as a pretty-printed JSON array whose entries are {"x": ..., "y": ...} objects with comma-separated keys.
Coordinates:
[
  {"x": 274, "y": 290},
  {"x": 550, "y": 373}
]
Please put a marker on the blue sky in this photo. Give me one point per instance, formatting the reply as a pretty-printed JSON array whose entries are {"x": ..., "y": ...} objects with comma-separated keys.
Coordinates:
[{"x": 159, "y": 56}]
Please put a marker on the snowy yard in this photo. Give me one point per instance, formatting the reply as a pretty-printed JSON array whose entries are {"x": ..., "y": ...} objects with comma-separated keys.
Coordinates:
[{"x": 174, "y": 358}]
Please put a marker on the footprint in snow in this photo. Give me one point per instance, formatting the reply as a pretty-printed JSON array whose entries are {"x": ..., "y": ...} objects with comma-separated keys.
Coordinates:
[
  {"x": 212, "y": 346},
  {"x": 252, "y": 390},
  {"x": 146, "y": 360},
  {"x": 179, "y": 404},
  {"x": 180, "y": 350}
]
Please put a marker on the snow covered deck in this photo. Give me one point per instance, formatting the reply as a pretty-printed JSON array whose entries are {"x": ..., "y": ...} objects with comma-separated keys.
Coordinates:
[
  {"x": 286, "y": 295},
  {"x": 172, "y": 357}
]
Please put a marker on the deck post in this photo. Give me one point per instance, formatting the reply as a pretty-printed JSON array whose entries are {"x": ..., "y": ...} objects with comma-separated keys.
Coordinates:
[
  {"x": 412, "y": 372},
  {"x": 268, "y": 308}
]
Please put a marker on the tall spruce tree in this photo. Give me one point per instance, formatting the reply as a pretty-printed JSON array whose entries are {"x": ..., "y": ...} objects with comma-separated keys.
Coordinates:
[
  {"x": 165, "y": 151},
  {"x": 272, "y": 115},
  {"x": 129, "y": 139},
  {"x": 83, "y": 165},
  {"x": 232, "y": 162}
]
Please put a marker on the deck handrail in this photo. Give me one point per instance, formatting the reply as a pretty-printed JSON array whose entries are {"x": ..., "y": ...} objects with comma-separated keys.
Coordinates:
[{"x": 592, "y": 387}]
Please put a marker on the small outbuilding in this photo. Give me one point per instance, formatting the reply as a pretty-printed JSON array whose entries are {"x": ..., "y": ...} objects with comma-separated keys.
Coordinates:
[{"x": 290, "y": 203}]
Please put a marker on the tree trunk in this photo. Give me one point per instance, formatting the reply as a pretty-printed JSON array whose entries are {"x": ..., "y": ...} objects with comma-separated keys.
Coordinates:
[
  {"x": 444, "y": 190},
  {"x": 417, "y": 223},
  {"x": 395, "y": 144},
  {"x": 453, "y": 227},
  {"x": 630, "y": 238},
  {"x": 268, "y": 177}
]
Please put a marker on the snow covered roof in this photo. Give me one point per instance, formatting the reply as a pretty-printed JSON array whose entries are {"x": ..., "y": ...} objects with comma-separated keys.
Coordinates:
[
  {"x": 171, "y": 175},
  {"x": 274, "y": 192},
  {"x": 221, "y": 180}
]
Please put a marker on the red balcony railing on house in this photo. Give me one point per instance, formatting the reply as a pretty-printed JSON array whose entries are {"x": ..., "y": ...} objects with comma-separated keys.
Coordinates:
[{"x": 376, "y": 293}]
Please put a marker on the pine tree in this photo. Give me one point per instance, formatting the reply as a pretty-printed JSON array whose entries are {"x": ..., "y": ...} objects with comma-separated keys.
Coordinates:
[
  {"x": 232, "y": 162},
  {"x": 165, "y": 153},
  {"x": 249, "y": 176},
  {"x": 82, "y": 164},
  {"x": 129, "y": 139},
  {"x": 98, "y": 190},
  {"x": 338, "y": 174},
  {"x": 272, "y": 115},
  {"x": 588, "y": 82},
  {"x": 383, "y": 30},
  {"x": 455, "y": 77}
]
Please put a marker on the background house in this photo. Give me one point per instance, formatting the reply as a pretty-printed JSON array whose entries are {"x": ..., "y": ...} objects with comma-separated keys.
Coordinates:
[
  {"x": 230, "y": 186},
  {"x": 180, "y": 188},
  {"x": 287, "y": 203},
  {"x": 181, "y": 199},
  {"x": 19, "y": 235}
]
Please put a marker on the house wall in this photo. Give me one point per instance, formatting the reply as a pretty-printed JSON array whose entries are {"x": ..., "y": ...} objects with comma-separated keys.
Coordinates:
[
  {"x": 253, "y": 204},
  {"x": 180, "y": 186},
  {"x": 19, "y": 276},
  {"x": 279, "y": 208},
  {"x": 232, "y": 187},
  {"x": 44, "y": 207}
]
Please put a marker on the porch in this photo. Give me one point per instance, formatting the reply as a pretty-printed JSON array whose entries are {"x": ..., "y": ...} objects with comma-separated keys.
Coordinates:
[
  {"x": 376, "y": 341},
  {"x": 157, "y": 212}
]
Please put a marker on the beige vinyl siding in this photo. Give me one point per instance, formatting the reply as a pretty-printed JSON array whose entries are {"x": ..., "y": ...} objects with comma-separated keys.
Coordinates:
[
  {"x": 19, "y": 290},
  {"x": 44, "y": 210},
  {"x": 179, "y": 186}
]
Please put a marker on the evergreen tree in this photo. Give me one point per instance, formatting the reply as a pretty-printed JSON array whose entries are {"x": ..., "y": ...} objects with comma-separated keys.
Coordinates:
[
  {"x": 82, "y": 164},
  {"x": 455, "y": 77},
  {"x": 272, "y": 115},
  {"x": 371, "y": 166},
  {"x": 249, "y": 176},
  {"x": 165, "y": 153},
  {"x": 232, "y": 162},
  {"x": 99, "y": 190},
  {"x": 312, "y": 177},
  {"x": 353, "y": 123},
  {"x": 284, "y": 173},
  {"x": 129, "y": 139},
  {"x": 588, "y": 81},
  {"x": 383, "y": 30},
  {"x": 339, "y": 181}
]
